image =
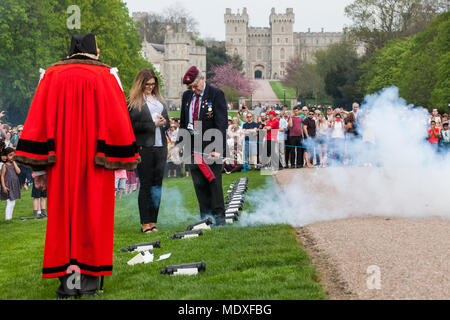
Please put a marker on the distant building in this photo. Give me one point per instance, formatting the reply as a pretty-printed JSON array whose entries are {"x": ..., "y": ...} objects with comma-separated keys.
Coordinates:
[
  {"x": 172, "y": 59},
  {"x": 266, "y": 51}
]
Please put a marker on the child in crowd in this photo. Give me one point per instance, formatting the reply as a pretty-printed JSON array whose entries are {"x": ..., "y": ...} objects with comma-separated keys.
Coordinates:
[
  {"x": 10, "y": 182},
  {"x": 121, "y": 179},
  {"x": 39, "y": 202}
]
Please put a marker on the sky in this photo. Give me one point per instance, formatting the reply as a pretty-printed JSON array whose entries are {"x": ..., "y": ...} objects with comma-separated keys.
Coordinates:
[{"x": 314, "y": 14}]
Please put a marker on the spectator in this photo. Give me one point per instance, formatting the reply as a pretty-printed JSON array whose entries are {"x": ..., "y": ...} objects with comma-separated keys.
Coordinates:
[
  {"x": 445, "y": 138},
  {"x": 10, "y": 182},
  {"x": 304, "y": 114},
  {"x": 330, "y": 116},
  {"x": 351, "y": 135},
  {"x": 250, "y": 131},
  {"x": 355, "y": 110},
  {"x": 436, "y": 117},
  {"x": 323, "y": 127},
  {"x": 120, "y": 181},
  {"x": 433, "y": 135},
  {"x": 338, "y": 139},
  {"x": 39, "y": 202},
  {"x": 295, "y": 150},
  {"x": 174, "y": 162},
  {"x": 309, "y": 131},
  {"x": 271, "y": 129},
  {"x": 283, "y": 127}
]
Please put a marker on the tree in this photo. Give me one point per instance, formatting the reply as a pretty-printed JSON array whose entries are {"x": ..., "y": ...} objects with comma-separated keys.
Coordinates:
[
  {"x": 216, "y": 55},
  {"x": 227, "y": 76},
  {"x": 338, "y": 66},
  {"x": 377, "y": 21},
  {"x": 153, "y": 26},
  {"x": 34, "y": 34},
  {"x": 419, "y": 66},
  {"x": 303, "y": 77}
]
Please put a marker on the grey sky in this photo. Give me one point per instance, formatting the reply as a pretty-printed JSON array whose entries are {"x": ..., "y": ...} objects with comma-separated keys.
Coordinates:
[{"x": 314, "y": 14}]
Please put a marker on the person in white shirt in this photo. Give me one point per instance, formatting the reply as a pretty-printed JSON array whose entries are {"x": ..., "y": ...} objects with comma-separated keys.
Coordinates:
[
  {"x": 338, "y": 139},
  {"x": 283, "y": 126}
]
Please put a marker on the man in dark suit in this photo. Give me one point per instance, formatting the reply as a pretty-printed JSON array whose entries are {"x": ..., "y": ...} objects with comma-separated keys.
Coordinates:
[{"x": 204, "y": 110}]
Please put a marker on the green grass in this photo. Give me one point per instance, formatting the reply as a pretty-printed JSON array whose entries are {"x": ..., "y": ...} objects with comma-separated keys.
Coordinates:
[
  {"x": 278, "y": 87},
  {"x": 262, "y": 262}
]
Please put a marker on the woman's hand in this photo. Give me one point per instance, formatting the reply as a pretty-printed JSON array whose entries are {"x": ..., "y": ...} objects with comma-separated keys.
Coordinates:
[{"x": 161, "y": 121}]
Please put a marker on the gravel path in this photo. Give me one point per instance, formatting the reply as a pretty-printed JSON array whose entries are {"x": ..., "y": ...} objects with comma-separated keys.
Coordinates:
[
  {"x": 378, "y": 257},
  {"x": 264, "y": 93}
]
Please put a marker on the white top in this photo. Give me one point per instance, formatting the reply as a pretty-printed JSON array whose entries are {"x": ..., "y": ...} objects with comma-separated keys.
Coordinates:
[
  {"x": 155, "y": 108},
  {"x": 338, "y": 131},
  {"x": 283, "y": 124}
]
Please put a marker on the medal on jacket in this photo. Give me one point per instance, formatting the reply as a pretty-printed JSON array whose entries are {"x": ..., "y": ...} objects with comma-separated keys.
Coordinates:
[{"x": 210, "y": 114}]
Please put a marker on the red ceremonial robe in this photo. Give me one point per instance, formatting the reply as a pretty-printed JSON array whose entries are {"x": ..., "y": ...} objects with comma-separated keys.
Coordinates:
[{"x": 78, "y": 129}]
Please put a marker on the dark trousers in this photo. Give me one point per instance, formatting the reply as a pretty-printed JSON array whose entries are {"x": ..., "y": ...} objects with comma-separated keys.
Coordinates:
[
  {"x": 295, "y": 148},
  {"x": 209, "y": 194},
  {"x": 73, "y": 285},
  {"x": 151, "y": 172}
]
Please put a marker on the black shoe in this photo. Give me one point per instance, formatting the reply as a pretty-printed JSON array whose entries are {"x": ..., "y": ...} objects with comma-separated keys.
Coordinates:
[{"x": 219, "y": 221}]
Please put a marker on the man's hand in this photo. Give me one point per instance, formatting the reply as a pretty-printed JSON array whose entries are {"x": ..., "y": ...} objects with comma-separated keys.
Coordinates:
[
  {"x": 40, "y": 182},
  {"x": 2, "y": 114},
  {"x": 214, "y": 155}
]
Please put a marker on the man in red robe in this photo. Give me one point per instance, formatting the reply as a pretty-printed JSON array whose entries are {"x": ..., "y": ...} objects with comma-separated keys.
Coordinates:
[{"x": 78, "y": 131}]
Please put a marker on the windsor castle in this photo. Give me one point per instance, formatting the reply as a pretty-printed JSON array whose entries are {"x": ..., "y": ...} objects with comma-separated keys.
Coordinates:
[{"x": 265, "y": 52}]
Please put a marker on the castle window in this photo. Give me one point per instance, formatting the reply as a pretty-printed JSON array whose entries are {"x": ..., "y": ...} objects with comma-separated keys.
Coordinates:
[
  {"x": 231, "y": 40},
  {"x": 235, "y": 52},
  {"x": 282, "y": 29},
  {"x": 278, "y": 40},
  {"x": 287, "y": 40},
  {"x": 240, "y": 40},
  {"x": 235, "y": 29},
  {"x": 282, "y": 53},
  {"x": 259, "y": 54}
]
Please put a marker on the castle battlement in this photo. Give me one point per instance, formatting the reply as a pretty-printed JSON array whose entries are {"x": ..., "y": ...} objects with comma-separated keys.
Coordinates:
[
  {"x": 264, "y": 51},
  {"x": 238, "y": 17},
  {"x": 289, "y": 16}
]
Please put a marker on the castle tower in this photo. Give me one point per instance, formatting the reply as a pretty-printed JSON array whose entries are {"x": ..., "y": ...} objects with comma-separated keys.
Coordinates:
[
  {"x": 283, "y": 48},
  {"x": 176, "y": 62},
  {"x": 236, "y": 30}
]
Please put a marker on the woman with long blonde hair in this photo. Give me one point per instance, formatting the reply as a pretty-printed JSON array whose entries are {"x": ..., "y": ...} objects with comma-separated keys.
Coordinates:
[{"x": 150, "y": 121}]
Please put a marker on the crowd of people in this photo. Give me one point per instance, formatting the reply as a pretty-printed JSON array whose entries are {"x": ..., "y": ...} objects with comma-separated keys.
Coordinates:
[
  {"x": 14, "y": 177},
  {"x": 309, "y": 136}
]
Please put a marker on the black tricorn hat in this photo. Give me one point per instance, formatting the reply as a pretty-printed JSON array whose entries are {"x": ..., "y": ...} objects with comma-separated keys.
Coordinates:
[{"x": 83, "y": 43}]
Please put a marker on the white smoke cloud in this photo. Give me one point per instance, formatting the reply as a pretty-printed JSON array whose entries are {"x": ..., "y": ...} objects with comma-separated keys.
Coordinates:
[{"x": 406, "y": 177}]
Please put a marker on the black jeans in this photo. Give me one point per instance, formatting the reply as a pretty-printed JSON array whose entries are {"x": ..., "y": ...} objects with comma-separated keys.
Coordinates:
[
  {"x": 151, "y": 172},
  {"x": 295, "y": 147},
  {"x": 209, "y": 194}
]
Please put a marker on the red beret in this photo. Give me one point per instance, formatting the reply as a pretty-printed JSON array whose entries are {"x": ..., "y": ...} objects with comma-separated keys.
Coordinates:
[
  {"x": 190, "y": 75},
  {"x": 272, "y": 112}
]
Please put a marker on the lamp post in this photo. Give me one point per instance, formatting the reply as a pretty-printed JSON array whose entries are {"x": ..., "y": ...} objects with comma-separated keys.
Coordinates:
[{"x": 284, "y": 92}]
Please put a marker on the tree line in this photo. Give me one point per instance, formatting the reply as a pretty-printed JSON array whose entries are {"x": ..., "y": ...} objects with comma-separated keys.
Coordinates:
[
  {"x": 406, "y": 45},
  {"x": 35, "y": 34}
]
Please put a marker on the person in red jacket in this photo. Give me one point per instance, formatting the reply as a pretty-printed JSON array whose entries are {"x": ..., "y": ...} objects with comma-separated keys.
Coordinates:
[
  {"x": 271, "y": 129},
  {"x": 76, "y": 134}
]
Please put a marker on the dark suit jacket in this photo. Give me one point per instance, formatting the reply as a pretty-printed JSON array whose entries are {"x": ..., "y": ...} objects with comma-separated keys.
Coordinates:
[
  {"x": 217, "y": 118},
  {"x": 144, "y": 126}
]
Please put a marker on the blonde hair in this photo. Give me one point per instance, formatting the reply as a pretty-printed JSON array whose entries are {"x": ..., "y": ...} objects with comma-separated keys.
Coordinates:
[{"x": 136, "y": 97}]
